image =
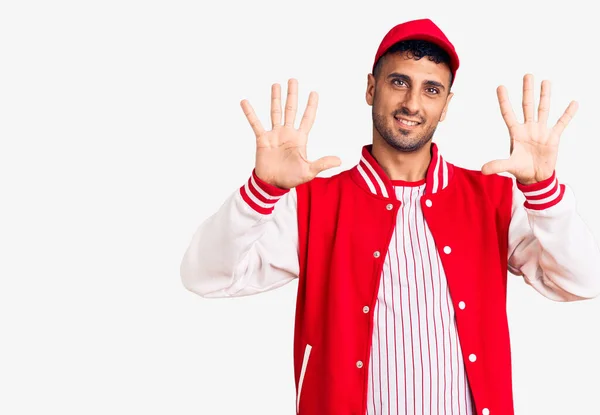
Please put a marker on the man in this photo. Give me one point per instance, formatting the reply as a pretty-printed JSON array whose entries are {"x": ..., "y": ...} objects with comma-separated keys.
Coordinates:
[{"x": 402, "y": 260}]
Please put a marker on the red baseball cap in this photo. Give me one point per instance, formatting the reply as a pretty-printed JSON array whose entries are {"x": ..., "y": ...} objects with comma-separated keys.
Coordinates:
[{"x": 422, "y": 29}]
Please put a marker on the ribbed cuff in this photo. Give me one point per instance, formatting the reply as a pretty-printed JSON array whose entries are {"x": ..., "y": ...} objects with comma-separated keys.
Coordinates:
[
  {"x": 542, "y": 195},
  {"x": 260, "y": 195}
]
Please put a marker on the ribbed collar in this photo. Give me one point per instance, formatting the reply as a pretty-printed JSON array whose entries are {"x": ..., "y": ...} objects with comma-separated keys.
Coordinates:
[{"x": 371, "y": 176}]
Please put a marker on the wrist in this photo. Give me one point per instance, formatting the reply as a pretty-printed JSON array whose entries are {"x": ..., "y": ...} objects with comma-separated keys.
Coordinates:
[
  {"x": 534, "y": 180},
  {"x": 268, "y": 185}
]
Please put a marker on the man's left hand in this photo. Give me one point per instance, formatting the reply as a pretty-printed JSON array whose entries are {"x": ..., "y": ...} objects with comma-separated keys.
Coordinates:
[{"x": 533, "y": 146}]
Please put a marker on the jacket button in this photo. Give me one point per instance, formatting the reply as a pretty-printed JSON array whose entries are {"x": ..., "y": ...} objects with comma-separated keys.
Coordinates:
[
  {"x": 461, "y": 305},
  {"x": 366, "y": 309},
  {"x": 447, "y": 249},
  {"x": 376, "y": 254},
  {"x": 485, "y": 411},
  {"x": 428, "y": 203},
  {"x": 389, "y": 206},
  {"x": 472, "y": 357},
  {"x": 359, "y": 364}
]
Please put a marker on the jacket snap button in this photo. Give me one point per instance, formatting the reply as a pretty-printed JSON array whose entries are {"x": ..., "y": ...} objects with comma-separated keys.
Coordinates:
[
  {"x": 428, "y": 203},
  {"x": 472, "y": 357},
  {"x": 376, "y": 254},
  {"x": 389, "y": 206},
  {"x": 461, "y": 305},
  {"x": 447, "y": 249},
  {"x": 359, "y": 364},
  {"x": 366, "y": 309},
  {"x": 485, "y": 411}
]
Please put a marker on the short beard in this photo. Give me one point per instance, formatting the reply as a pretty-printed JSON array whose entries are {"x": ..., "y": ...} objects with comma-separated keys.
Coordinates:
[{"x": 398, "y": 139}]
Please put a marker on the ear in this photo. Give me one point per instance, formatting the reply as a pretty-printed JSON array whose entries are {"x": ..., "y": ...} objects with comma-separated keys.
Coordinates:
[
  {"x": 450, "y": 95},
  {"x": 370, "y": 89}
]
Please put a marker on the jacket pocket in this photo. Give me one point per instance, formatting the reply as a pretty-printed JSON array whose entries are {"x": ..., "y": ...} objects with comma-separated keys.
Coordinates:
[{"x": 302, "y": 373}]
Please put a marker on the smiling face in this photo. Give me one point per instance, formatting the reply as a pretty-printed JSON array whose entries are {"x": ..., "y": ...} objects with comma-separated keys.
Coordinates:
[{"x": 409, "y": 97}]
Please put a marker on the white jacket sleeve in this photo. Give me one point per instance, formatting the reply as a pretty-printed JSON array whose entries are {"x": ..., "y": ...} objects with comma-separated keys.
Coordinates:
[
  {"x": 550, "y": 245},
  {"x": 250, "y": 245}
]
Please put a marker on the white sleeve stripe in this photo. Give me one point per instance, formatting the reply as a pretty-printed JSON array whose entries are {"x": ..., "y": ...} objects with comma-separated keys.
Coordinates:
[
  {"x": 550, "y": 198},
  {"x": 261, "y": 191},
  {"x": 542, "y": 191},
  {"x": 255, "y": 199}
]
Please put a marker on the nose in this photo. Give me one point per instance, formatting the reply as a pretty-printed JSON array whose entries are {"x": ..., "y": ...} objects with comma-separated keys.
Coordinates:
[{"x": 412, "y": 102}]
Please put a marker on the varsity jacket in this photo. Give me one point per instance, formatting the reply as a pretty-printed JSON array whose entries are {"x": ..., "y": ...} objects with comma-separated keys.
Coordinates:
[{"x": 332, "y": 234}]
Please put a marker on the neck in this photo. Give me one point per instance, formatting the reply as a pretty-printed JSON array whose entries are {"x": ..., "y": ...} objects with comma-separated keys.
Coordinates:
[{"x": 409, "y": 167}]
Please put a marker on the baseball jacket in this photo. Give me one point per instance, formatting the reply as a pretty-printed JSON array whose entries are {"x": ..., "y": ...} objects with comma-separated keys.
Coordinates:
[{"x": 330, "y": 234}]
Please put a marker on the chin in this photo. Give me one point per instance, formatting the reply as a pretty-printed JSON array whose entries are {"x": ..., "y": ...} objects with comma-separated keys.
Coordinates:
[
  {"x": 405, "y": 133},
  {"x": 406, "y": 146}
]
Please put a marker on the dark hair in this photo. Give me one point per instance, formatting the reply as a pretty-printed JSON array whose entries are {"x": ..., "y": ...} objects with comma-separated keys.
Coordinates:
[{"x": 417, "y": 49}]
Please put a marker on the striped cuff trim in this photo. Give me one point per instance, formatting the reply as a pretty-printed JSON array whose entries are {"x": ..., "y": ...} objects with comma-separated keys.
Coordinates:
[
  {"x": 260, "y": 195},
  {"x": 544, "y": 194}
]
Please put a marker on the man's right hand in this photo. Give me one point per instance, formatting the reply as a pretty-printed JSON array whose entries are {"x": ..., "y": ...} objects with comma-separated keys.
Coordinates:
[{"x": 281, "y": 152}]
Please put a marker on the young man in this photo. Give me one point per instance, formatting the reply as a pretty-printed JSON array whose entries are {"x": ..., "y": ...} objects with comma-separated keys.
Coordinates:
[{"x": 402, "y": 260}]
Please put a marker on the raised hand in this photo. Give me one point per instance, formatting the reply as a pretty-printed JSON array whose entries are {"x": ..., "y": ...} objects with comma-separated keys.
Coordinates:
[
  {"x": 533, "y": 146},
  {"x": 281, "y": 152}
]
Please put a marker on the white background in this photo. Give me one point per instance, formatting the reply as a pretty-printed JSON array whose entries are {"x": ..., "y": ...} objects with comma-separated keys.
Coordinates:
[{"x": 121, "y": 131}]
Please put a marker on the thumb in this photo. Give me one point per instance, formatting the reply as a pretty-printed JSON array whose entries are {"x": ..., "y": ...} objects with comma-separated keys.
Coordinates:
[
  {"x": 496, "y": 166},
  {"x": 324, "y": 163}
]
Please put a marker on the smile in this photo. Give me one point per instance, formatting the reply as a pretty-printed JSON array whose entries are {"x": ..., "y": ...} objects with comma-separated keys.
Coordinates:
[{"x": 406, "y": 123}]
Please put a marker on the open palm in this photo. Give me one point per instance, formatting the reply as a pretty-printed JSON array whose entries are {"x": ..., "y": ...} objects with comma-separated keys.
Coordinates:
[
  {"x": 533, "y": 146},
  {"x": 281, "y": 152}
]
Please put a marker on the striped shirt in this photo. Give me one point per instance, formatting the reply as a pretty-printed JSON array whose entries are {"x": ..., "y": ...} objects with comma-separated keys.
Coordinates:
[{"x": 416, "y": 364}]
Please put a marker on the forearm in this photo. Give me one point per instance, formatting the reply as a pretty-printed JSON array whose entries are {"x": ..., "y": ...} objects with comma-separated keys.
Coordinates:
[
  {"x": 557, "y": 254},
  {"x": 246, "y": 247}
]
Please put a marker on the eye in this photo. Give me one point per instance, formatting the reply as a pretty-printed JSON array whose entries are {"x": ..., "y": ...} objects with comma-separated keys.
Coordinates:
[
  {"x": 397, "y": 82},
  {"x": 433, "y": 90}
]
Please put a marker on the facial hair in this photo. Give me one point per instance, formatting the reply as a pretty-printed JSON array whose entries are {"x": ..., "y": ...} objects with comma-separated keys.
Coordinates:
[{"x": 400, "y": 139}]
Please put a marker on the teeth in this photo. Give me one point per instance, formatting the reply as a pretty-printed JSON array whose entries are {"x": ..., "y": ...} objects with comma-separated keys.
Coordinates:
[{"x": 410, "y": 123}]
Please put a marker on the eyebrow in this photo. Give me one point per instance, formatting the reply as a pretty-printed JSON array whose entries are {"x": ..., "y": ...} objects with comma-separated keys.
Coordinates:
[{"x": 407, "y": 78}]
